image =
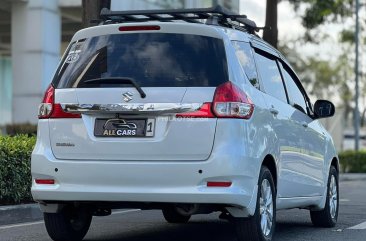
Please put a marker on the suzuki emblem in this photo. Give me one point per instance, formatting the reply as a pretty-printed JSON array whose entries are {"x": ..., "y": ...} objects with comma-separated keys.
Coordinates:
[{"x": 127, "y": 97}]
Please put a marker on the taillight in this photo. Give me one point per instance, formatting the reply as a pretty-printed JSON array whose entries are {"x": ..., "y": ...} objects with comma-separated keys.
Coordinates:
[
  {"x": 231, "y": 102},
  {"x": 48, "y": 109},
  {"x": 203, "y": 112}
]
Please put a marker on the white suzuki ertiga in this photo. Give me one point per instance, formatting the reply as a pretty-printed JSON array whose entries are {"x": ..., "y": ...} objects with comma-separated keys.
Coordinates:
[{"x": 164, "y": 110}]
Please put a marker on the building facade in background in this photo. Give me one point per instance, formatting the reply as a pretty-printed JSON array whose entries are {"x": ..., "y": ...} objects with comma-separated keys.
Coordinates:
[{"x": 33, "y": 36}]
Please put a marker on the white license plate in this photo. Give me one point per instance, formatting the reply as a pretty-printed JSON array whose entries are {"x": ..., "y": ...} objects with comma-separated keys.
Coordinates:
[{"x": 124, "y": 127}]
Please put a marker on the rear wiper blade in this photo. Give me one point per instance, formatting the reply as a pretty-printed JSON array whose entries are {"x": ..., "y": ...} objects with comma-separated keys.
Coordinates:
[{"x": 117, "y": 80}]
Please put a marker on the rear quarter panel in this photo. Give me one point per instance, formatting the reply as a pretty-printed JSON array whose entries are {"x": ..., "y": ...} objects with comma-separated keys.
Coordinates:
[{"x": 256, "y": 137}]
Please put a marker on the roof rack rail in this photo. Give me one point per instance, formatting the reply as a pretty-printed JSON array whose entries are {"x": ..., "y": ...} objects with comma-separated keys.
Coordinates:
[{"x": 215, "y": 16}]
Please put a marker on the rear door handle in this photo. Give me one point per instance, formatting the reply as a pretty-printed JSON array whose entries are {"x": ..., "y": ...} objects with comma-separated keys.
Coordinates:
[
  {"x": 304, "y": 124},
  {"x": 273, "y": 111}
]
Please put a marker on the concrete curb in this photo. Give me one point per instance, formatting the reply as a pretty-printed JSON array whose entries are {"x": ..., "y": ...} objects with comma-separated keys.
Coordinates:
[
  {"x": 344, "y": 177},
  {"x": 20, "y": 214}
]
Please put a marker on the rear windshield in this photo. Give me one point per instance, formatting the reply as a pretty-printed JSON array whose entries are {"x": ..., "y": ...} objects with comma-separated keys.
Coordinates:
[{"x": 151, "y": 59}]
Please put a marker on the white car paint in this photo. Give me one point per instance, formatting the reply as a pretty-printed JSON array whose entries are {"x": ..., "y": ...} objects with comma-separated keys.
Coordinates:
[{"x": 175, "y": 165}]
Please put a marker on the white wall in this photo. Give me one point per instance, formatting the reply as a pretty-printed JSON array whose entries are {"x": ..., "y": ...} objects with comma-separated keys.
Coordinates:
[
  {"x": 70, "y": 3},
  {"x": 36, "y": 40},
  {"x": 133, "y": 5},
  {"x": 5, "y": 90}
]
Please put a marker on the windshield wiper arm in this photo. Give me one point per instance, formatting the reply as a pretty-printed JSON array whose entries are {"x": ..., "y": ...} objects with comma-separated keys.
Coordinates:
[{"x": 117, "y": 80}]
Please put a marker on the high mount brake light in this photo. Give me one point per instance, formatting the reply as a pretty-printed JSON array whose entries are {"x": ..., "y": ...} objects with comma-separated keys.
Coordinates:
[
  {"x": 48, "y": 109},
  {"x": 229, "y": 102},
  {"x": 139, "y": 28}
]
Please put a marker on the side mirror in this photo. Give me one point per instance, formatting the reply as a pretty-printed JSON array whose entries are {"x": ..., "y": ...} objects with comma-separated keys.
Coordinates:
[{"x": 323, "y": 109}]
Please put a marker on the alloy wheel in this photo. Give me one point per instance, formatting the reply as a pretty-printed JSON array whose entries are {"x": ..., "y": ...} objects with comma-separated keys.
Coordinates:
[
  {"x": 266, "y": 207},
  {"x": 333, "y": 197}
]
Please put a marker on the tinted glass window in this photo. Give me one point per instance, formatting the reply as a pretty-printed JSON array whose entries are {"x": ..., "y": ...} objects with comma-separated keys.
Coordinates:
[
  {"x": 295, "y": 95},
  {"x": 271, "y": 77},
  {"x": 151, "y": 59},
  {"x": 245, "y": 55}
]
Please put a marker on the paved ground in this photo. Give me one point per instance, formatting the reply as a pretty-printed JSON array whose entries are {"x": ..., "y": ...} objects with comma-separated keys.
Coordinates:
[{"x": 292, "y": 225}]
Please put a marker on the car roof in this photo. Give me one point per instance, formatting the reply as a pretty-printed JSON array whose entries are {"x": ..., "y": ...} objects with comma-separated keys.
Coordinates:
[{"x": 165, "y": 27}]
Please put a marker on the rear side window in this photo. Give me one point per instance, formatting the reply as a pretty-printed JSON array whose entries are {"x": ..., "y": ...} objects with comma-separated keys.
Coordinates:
[
  {"x": 270, "y": 77},
  {"x": 295, "y": 95},
  {"x": 245, "y": 56},
  {"x": 151, "y": 59}
]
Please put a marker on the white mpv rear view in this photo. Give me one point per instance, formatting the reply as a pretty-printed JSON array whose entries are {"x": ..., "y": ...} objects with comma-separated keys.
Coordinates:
[{"x": 187, "y": 111}]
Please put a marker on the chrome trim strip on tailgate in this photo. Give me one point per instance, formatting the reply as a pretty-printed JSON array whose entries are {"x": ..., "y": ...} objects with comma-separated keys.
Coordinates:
[{"x": 161, "y": 108}]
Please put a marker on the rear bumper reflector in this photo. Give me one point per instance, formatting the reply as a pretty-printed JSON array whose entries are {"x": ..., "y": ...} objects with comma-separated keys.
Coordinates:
[
  {"x": 219, "y": 184},
  {"x": 45, "y": 181}
]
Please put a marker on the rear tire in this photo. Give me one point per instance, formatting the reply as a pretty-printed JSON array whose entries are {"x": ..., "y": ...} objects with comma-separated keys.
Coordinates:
[
  {"x": 68, "y": 225},
  {"x": 261, "y": 226},
  {"x": 327, "y": 218},
  {"x": 172, "y": 216}
]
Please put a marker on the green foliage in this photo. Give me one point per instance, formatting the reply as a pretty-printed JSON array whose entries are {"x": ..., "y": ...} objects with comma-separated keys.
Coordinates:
[
  {"x": 18, "y": 129},
  {"x": 353, "y": 161},
  {"x": 318, "y": 12},
  {"x": 315, "y": 13},
  {"x": 347, "y": 36},
  {"x": 321, "y": 77},
  {"x": 15, "y": 175}
]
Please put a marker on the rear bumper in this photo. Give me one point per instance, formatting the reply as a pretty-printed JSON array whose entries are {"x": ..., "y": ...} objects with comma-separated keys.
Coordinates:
[
  {"x": 147, "y": 181},
  {"x": 138, "y": 182}
]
